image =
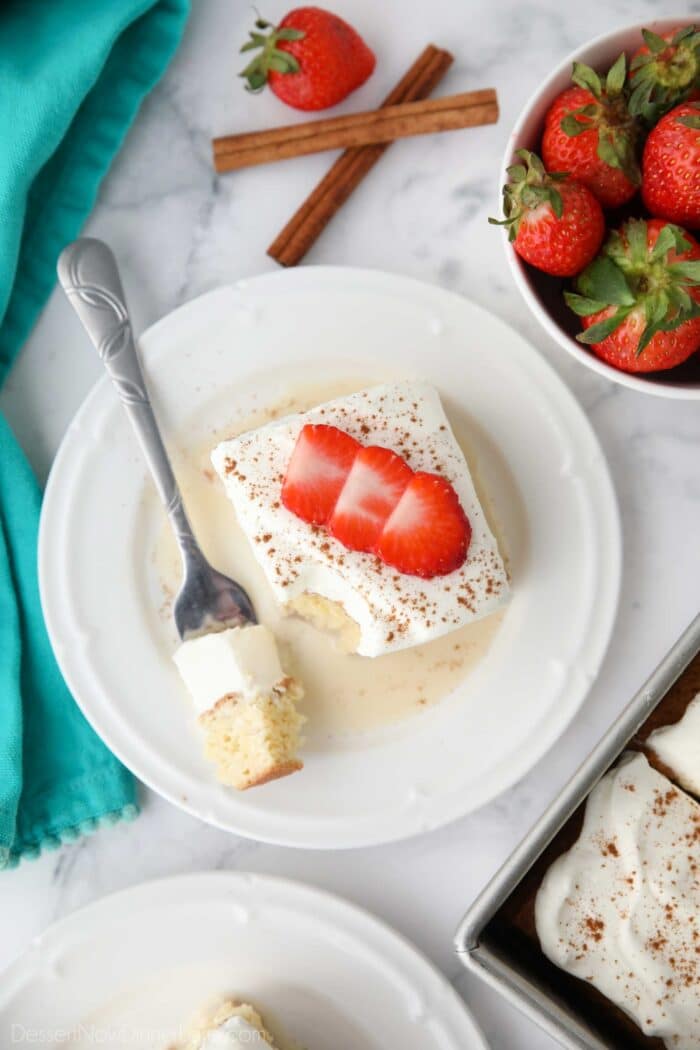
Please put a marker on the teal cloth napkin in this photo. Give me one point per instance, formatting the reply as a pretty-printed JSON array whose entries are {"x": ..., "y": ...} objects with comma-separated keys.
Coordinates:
[{"x": 72, "y": 76}]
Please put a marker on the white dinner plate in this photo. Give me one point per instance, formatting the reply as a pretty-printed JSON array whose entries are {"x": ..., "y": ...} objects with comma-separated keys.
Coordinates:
[
  {"x": 212, "y": 363},
  {"x": 133, "y": 970}
]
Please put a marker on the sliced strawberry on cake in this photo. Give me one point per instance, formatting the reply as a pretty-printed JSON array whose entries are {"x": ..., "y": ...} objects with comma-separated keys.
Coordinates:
[
  {"x": 428, "y": 532},
  {"x": 374, "y": 486},
  {"x": 364, "y": 518},
  {"x": 322, "y": 460}
]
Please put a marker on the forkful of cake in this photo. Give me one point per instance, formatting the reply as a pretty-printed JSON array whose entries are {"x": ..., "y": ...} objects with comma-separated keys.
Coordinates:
[{"x": 245, "y": 703}]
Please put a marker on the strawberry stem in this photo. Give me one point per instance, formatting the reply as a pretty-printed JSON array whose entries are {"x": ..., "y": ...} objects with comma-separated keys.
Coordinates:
[
  {"x": 608, "y": 115},
  {"x": 632, "y": 277},
  {"x": 528, "y": 187},
  {"x": 667, "y": 75},
  {"x": 271, "y": 57}
]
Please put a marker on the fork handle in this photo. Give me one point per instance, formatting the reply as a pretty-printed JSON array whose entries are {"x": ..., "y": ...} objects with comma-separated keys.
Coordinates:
[{"x": 90, "y": 278}]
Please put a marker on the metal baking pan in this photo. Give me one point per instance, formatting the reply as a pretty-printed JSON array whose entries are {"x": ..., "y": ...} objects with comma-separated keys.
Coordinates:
[{"x": 500, "y": 963}]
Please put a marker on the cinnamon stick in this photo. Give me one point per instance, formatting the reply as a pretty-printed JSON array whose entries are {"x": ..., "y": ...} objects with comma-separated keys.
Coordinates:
[
  {"x": 348, "y": 171},
  {"x": 423, "y": 117}
]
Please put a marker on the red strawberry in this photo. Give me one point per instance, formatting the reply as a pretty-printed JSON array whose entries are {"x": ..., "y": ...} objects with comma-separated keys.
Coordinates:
[
  {"x": 590, "y": 133},
  {"x": 428, "y": 533},
  {"x": 320, "y": 463},
  {"x": 639, "y": 301},
  {"x": 555, "y": 223},
  {"x": 664, "y": 72},
  {"x": 311, "y": 60},
  {"x": 372, "y": 489},
  {"x": 671, "y": 167}
]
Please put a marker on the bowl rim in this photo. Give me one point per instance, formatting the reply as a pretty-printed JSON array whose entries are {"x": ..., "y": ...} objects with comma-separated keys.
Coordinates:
[{"x": 634, "y": 381}]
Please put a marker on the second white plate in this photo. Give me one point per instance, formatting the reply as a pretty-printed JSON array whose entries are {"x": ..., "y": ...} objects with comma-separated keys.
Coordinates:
[
  {"x": 133, "y": 970},
  {"x": 242, "y": 347}
]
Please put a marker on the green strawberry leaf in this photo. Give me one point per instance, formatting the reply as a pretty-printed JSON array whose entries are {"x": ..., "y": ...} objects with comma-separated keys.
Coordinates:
[
  {"x": 607, "y": 152},
  {"x": 256, "y": 40},
  {"x": 529, "y": 186},
  {"x": 691, "y": 121},
  {"x": 640, "y": 102},
  {"x": 556, "y": 202},
  {"x": 638, "y": 63},
  {"x": 533, "y": 196},
  {"x": 271, "y": 58},
  {"x": 585, "y": 77},
  {"x": 282, "y": 62},
  {"x": 615, "y": 80},
  {"x": 582, "y": 306},
  {"x": 605, "y": 282},
  {"x": 646, "y": 337},
  {"x": 600, "y": 331},
  {"x": 665, "y": 243},
  {"x": 571, "y": 126},
  {"x": 689, "y": 270},
  {"x": 656, "y": 308},
  {"x": 290, "y": 34},
  {"x": 654, "y": 43},
  {"x": 684, "y": 33},
  {"x": 664, "y": 323},
  {"x": 516, "y": 173},
  {"x": 256, "y": 79},
  {"x": 679, "y": 298},
  {"x": 636, "y": 235},
  {"x": 682, "y": 242}
]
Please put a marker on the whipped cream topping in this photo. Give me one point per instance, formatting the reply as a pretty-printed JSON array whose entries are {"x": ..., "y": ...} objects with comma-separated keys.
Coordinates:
[
  {"x": 233, "y": 1034},
  {"x": 678, "y": 747},
  {"x": 621, "y": 908},
  {"x": 393, "y": 611},
  {"x": 241, "y": 660}
]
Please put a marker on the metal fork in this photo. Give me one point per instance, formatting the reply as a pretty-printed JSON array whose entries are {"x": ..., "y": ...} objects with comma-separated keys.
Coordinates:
[{"x": 207, "y": 600}]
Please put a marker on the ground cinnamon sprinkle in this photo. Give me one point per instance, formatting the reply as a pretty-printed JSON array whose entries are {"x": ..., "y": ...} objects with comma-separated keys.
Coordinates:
[
  {"x": 594, "y": 927},
  {"x": 663, "y": 801}
]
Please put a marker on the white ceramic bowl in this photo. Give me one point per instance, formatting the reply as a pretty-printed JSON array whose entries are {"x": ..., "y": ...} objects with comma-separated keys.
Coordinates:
[{"x": 542, "y": 293}]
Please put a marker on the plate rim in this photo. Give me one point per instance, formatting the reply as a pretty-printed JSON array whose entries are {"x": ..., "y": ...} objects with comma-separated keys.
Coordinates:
[
  {"x": 189, "y": 885},
  {"x": 355, "y": 833}
]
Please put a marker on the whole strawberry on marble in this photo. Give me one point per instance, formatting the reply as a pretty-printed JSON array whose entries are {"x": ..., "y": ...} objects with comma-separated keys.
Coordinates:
[{"x": 312, "y": 60}]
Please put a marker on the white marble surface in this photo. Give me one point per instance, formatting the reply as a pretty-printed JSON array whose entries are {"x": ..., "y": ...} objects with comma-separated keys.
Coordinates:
[{"x": 179, "y": 230}]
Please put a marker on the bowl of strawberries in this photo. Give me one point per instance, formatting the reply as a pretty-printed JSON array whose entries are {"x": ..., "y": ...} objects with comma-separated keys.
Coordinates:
[{"x": 601, "y": 199}]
